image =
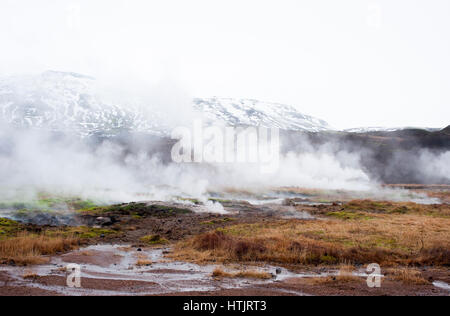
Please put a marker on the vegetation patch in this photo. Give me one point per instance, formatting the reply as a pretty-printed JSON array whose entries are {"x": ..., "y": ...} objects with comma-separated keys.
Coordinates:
[
  {"x": 9, "y": 228},
  {"x": 349, "y": 215},
  {"x": 245, "y": 274},
  {"x": 81, "y": 232},
  {"x": 388, "y": 239},
  {"x": 406, "y": 275},
  {"x": 136, "y": 209},
  {"x": 47, "y": 202},
  {"x": 194, "y": 201},
  {"x": 29, "y": 248},
  {"x": 218, "y": 221},
  {"x": 143, "y": 262},
  {"x": 221, "y": 201},
  {"x": 386, "y": 207},
  {"x": 153, "y": 240}
]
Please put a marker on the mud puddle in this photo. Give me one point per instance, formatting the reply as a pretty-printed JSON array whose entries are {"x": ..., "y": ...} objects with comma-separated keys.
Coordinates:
[{"x": 121, "y": 270}]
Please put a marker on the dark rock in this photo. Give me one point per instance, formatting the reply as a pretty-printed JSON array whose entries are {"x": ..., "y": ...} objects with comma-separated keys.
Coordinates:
[
  {"x": 278, "y": 270},
  {"x": 103, "y": 221}
]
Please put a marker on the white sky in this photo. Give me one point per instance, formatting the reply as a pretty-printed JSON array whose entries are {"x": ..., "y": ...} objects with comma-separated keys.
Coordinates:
[{"x": 351, "y": 62}]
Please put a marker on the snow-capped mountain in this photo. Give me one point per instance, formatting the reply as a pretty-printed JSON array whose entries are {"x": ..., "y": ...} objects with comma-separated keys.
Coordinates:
[
  {"x": 256, "y": 113},
  {"x": 68, "y": 101},
  {"x": 64, "y": 101}
]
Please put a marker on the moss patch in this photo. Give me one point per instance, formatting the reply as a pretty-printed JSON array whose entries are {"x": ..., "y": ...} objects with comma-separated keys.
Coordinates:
[
  {"x": 9, "y": 227},
  {"x": 137, "y": 209},
  {"x": 218, "y": 221},
  {"x": 82, "y": 232},
  {"x": 153, "y": 240},
  {"x": 349, "y": 215}
]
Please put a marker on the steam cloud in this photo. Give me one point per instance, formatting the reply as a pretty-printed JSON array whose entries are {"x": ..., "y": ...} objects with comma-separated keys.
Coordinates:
[
  {"x": 134, "y": 168},
  {"x": 32, "y": 161}
]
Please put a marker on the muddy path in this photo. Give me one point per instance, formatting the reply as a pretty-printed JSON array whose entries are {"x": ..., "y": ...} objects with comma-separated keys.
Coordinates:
[{"x": 115, "y": 270}]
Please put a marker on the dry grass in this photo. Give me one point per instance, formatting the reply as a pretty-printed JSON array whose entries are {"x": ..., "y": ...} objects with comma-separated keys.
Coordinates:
[
  {"x": 30, "y": 275},
  {"x": 407, "y": 276},
  {"x": 388, "y": 239},
  {"x": 143, "y": 262},
  {"x": 388, "y": 207},
  {"x": 28, "y": 249},
  {"x": 142, "y": 259},
  {"x": 245, "y": 274}
]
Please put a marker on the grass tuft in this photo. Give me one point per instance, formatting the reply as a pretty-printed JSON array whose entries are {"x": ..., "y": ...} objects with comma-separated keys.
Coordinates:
[
  {"x": 29, "y": 249},
  {"x": 245, "y": 274}
]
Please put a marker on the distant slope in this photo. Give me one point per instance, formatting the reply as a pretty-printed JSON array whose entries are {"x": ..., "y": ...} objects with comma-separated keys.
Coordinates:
[
  {"x": 64, "y": 101},
  {"x": 256, "y": 113},
  {"x": 68, "y": 101},
  {"x": 385, "y": 129}
]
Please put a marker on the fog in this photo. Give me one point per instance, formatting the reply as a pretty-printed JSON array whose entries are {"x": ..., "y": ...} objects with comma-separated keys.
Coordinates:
[
  {"x": 352, "y": 63},
  {"x": 109, "y": 171}
]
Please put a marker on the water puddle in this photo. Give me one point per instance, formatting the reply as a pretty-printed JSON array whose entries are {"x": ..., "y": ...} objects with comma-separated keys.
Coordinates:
[
  {"x": 442, "y": 285},
  {"x": 113, "y": 270}
]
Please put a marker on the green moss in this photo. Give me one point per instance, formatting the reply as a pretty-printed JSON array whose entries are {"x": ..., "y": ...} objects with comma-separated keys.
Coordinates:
[
  {"x": 195, "y": 201},
  {"x": 45, "y": 202},
  {"x": 9, "y": 227},
  {"x": 218, "y": 221},
  {"x": 5, "y": 222},
  {"x": 399, "y": 210},
  {"x": 81, "y": 232},
  {"x": 94, "y": 210},
  {"x": 208, "y": 223},
  {"x": 137, "y": 209},
  {"x": 384, "y": 242},
  {"x": 343, "y": 215},
  {"x": 221, "y": 201},
  {"x": 153, "y": 240},
  {"x": 328, "y": 259}
]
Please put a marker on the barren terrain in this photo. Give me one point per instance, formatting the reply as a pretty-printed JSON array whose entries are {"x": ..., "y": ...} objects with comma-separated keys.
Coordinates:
[{"x": 300, "y": 242}]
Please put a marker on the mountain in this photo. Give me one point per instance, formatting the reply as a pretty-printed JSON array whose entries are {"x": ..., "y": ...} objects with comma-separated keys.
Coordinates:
[
  {"x": 64, "y": 101},
  {"x": 249, "y": 112},
  {"x": 68, "y": 101}
]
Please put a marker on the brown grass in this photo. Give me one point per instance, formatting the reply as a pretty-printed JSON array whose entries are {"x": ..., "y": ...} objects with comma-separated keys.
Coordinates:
[
  {"x": 30, "y": 275},
  {"x": 143, "y": 262},
  {"x": 406, "y": 275},
  {"x": 388, "y": 207},
  {"x": 28, "y": 249},
  {"x": 245, "y": 274},
  {"x": 387, "y": 239}
]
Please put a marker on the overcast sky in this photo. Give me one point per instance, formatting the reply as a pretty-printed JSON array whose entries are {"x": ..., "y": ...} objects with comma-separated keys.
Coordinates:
[{"x": 351, "y": 62}]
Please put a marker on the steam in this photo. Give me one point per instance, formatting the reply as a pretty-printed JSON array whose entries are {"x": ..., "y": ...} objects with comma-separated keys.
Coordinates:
[
  {"x": 138, "y": 168},
  {"x": 35, "y": 161}
]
